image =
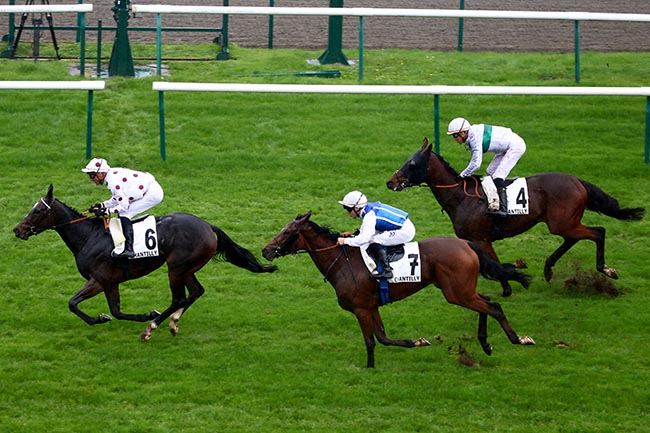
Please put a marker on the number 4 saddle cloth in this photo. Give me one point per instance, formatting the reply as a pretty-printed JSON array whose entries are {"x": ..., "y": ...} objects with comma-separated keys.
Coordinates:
[
  {"x": 404, "y": 259},
  {"x": 145, "y": 236}
]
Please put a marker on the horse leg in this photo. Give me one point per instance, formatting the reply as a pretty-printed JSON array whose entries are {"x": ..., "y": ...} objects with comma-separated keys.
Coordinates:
[
  {"x": 489, "y": 249},
  {"x": 90, "y": 289},
  {"x": 380, "y": 333},
  {"x": 364, "y": 317},
  {"x": 177, "y": 286},
  {"x": 112, "y": 294},
  {"x": 482, "y": 330},
  {"x": 553, "y": 258},
  {"x": 195, "y": 290}
]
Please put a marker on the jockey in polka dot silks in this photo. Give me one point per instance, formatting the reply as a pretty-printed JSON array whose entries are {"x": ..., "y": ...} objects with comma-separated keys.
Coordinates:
[
  {"x": 133, "y": 192},
  {"x": 382, "y": 225},
  {"x": 507, "y": 146}
]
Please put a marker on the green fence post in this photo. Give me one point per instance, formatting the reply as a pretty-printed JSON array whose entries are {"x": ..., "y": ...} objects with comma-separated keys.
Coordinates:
[
  {"x": 360, "y": 48},
  {"x": 81, "y": 17},
  {"x": 647, "y": 129},
  {"x": 89, "y": 125},
  {"x": 161, "y": 111},
  {"x": 576, "y": 37},
  {"x": 460, "y": 27},
  {"x": 334, "y": 52},
  {"x": 159, "y": 45},
  {"x": 436, "y": 123},
  {"x": 121, "y": 59}
]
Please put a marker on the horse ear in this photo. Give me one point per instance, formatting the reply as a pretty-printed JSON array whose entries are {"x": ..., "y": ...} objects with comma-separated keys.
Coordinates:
[
  {"x": 49, "y": 192},
  {"x": 425, "y": 142}
]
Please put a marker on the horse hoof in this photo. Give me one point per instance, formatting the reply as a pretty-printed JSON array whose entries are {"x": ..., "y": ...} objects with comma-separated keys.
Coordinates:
[
  {"x": 154, "y": 314},
  {"x": 487, "y": 348},
  {"x": 421, "y": 342},
  {"x": 507, "y": 292},
  {"x": 103, "y": 318},
  {"x": 526, "y": 341},
  {"x": 521, "y": 264},
  {"x": 610, "y": 272},
  {"x": 548, "y": 274}
]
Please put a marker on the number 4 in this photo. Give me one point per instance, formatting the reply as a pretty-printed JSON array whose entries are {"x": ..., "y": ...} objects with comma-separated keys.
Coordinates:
[{"x": 521, "y": 198}]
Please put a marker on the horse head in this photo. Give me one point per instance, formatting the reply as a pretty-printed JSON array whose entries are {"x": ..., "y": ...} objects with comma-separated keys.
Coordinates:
[
  {"x": 287, "y": 241},
  {"x": 414, "y": 171},
  {"x": 39, "y": 219}
]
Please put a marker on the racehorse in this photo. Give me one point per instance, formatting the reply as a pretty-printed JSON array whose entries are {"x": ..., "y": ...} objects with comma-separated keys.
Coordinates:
[
  {"x": 451, "y": 264},
  {"x": 185, "y": 242},
  {"x": 557, "y": 199}
]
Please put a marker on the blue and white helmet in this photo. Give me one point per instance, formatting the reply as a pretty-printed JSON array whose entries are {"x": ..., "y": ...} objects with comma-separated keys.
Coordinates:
[{"x": 354, "y": 199}]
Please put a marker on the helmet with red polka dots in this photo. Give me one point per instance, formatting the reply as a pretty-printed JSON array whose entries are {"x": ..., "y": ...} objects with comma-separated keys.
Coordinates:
[{"x": 97, "y": 165}]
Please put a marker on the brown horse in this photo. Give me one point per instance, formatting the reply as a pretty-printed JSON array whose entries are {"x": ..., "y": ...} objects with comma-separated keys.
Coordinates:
[
  {"x": 451, "y": 264},
  {"x": 557, "y": 199},
  {"x": 185, "y": 242}
]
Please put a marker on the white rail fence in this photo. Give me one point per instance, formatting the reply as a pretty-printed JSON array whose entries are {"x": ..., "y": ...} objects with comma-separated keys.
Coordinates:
[
  {"x": 576, "y": 17},
  {"x": 89, "y": 86},
  {"x": 161, "y": 87}
]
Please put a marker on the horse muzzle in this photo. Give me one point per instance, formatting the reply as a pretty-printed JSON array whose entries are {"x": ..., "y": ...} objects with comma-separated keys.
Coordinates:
[{"x": 24, "y": 231}]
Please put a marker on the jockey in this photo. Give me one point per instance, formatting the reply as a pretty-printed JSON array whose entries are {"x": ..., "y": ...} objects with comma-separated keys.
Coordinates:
[
  {"x": 133, "y": 192},
  {"x": 382, "y": 225},
  {"x": 507, "y": 146}
]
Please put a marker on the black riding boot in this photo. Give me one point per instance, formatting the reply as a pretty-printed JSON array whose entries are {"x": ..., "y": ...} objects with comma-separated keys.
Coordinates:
[
  {"x": 127, "y": 231},
  {"x": 503, "y": 198},
  {"x": 378, "y": 253}
]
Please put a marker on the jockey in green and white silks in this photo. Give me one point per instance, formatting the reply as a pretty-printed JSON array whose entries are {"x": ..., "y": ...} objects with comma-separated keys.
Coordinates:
[
  {"x": 507, "y": 146},
  {"x": 382, "y": 225}
]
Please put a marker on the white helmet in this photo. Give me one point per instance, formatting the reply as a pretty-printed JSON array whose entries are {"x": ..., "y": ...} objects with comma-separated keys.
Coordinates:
[
  {"x": 97, "y": 165},
  {"x": 457, "y": 125},
  {"x": 354, "y": 199}
]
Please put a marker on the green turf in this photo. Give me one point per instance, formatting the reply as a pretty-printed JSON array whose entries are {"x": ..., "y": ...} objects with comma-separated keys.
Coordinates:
[{"x": 275, "y": 353}]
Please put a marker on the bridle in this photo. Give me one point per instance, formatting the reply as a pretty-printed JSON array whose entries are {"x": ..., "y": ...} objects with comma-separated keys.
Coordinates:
[
  {"x": 36, "y": 230},
  {"x": 283, "y": 250}
]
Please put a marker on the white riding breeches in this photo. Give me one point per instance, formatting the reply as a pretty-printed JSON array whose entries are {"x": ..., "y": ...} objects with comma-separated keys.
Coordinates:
[
  {"x": 153, "y": 196},
  {"x": 395, "y": 237},
  {"x": 503, "y": 163}
]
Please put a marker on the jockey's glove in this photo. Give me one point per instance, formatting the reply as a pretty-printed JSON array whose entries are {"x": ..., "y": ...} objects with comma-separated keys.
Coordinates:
[{"x": 98, "y": 209}]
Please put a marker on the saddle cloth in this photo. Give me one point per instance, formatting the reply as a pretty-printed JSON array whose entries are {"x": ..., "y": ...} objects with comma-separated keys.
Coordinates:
[
  {"x": 517, "y": 195},
  {"x": 145, "y": 236},
  {"x": 406, "y": 269}
]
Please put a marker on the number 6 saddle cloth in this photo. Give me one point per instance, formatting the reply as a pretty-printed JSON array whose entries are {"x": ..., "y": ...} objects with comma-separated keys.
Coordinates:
[{"x": 145, "y": 236}]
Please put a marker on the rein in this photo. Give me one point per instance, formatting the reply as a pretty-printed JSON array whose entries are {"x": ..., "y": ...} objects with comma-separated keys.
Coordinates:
[
  {"x": 464, "y": 182},
  {"x": 54, "y": 227}
]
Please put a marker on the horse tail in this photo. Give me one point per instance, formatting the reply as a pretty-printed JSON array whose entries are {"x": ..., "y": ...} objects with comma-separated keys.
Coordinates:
[
  {"x": 228, "y": 250},
  {"x": 601, "y": 202},
  {"x": 493, "y": 270}
]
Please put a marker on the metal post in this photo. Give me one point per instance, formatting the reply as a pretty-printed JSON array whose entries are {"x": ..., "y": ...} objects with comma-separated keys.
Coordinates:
[
  {"x": 161, "y": 111},
  {"x": 99, "y": 49},
  {"x": 159, "y": 45},
  {"x": 576, "y": 37},
  {"x": 334, "y": 52},
  {"x": 360, "y": 48},
  {"x": 460, "y": 27},
  {"x": 436, "y": 123},
  {"x": 224, "y": 54},
  {"x": 89, "y": 126},
  {"x": 78, "y": 32},
  {"x": 82, "y": 46},
  {"x": 647, "y": 130},
  {"x": 271, "y": 19},
  {"x": 121, "y": 59}
]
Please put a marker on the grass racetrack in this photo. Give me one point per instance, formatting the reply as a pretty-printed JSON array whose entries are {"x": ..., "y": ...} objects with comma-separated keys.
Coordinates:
[{"x": 274, "y": 352}]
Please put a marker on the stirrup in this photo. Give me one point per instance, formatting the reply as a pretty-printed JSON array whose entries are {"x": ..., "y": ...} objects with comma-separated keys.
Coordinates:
[
  {"x": 498, "y": 212},
  {"x": 377, "y": 276},
  {"x": 125, "y": 253}
]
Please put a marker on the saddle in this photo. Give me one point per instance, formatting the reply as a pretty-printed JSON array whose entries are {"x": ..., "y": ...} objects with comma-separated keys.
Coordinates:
[{"x": 394, "y": 252}]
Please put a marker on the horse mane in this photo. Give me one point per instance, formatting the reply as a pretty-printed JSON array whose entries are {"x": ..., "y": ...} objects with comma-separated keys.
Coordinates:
[
  {"x": 324, "y": 230},
  {"x": 445, "y": 164},
  {"x": 75, "y": 211}
]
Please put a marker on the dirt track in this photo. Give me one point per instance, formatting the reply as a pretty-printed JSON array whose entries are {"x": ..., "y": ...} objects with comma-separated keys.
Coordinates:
[{"x": 393, "y": 32}]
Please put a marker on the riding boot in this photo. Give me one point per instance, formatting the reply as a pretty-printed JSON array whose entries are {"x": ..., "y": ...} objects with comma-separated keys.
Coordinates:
[
  {"x": 503, "y": 198},
  {"x": 127, "y": 231},
  {"x": 378, "y": 253}
]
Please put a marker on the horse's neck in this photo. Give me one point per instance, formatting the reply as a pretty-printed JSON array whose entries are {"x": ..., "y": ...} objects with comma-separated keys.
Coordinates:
[
  {"x": 322, "y": 250},
  {"x": 76, "y": 234},
  {"x": 443, "y": 184}
]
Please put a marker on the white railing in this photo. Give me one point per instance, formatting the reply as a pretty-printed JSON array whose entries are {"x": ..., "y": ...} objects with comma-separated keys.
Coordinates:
[
  {"x": 576, "y": 17},
  {"x": 162, "y": 86},
  {"x": 89, "y": 86}
]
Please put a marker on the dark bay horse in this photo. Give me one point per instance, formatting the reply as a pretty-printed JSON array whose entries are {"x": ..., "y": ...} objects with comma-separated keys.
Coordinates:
[
  {"x": 557, "y": 199},
  {"x": 185, "y": 242},
  {"x": 451, "y": 264}
]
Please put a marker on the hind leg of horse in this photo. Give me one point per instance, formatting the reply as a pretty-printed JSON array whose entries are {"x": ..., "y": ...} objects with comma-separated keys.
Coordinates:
[
  {"x": 112, "y": 294},
  {"x": 380, "y": 333},
  {"x": 179, "y": 301},
  {"x": 90, "y": 289},
  {"x": 553, "y": 258},
  {"x": 195, "y": 290},
  {"x": 482, "y": 333}
]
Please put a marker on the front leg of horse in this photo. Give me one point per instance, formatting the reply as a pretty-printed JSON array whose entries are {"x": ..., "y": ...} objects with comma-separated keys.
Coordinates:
[
  {"x": 176, "y": 307},
  {"x": 90, "y": 289},
  {"x": 112, "y": 294},
  {"x": 380, "y": 333},
  {"x": 489, "y": 249}
]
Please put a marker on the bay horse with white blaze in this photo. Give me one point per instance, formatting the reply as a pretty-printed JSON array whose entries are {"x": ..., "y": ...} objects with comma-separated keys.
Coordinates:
[
  {"x": 185, "y": 242},
  {"x": 451, "y": 264},
  {"x": 557, "y": 199}
]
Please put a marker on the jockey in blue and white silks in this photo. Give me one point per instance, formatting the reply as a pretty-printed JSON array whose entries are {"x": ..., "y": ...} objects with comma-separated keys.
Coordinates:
[{"x": 382, "y": 225}]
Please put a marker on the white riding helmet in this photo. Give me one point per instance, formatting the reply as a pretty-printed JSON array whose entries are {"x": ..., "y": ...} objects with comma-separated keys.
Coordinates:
[
  {"x": 457, "y": 125},
  {"x": 354, "y": 199},
  {"x": 97, "y": 165}
]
